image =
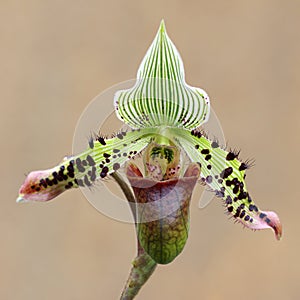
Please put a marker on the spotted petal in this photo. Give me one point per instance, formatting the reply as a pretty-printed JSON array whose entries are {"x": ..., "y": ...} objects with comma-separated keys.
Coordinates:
[
  {"x": 102, "y": 157},
  {"x": 224, "y": 173},
  {"x": 161, "y": 96}
]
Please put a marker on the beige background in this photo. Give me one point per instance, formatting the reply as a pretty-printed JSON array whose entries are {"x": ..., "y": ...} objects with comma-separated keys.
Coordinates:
[{"x": 57, "y": 55}]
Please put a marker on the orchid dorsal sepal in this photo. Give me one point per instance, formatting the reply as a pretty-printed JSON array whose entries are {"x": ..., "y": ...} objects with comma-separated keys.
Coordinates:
[{"x": 161, "y": 96}]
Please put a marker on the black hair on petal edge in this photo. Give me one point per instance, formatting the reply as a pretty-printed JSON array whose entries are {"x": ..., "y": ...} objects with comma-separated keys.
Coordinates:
[
  {"x": 236, "y": 152},
  {"x": 250, "y": 162}
]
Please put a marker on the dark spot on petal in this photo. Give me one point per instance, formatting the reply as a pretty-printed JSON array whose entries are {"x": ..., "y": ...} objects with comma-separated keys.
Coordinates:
[
  {"x": 227, "y": 172},
  {"x": 235, "y": 181},
  {"x": 71, "y": 174},
  {"x": 93, "y": 174},
  {"x": 79, "y": 165},
  {"x": 205, "y": 151},
  {"x": 228, "y": 182},
  {"x": 209, "y": 179},
  {"x": 236, "y": 215},
  {"x": 236, "y": 189},
  {"x": 249, "y": 199},
  {"x": 103, "y": 174},
  {"x": 214, "y": 144},
  {"x": 49, "y": 182},
  {"x": 219, "y": 194},
  {"x": 262, "y": 215},
  {"x": 90, "y": 160},
  {"x": 230, "y": 156},
  {"x": 255, "y": 208},
  {"x": 228, "y": 200},
  {"x": 116, "y": 166},
  {"x": 70, "y": 168},
  {"x": 101, "y": 141},
  {"x": 243, "y": 167},
  {"x": 242, "y": 214},
  {"x": 60, "y": 177},
  {"x": 91, "y": 143},
  {"x": 242, "y": 195},
  {"x": 208, "y": 157},
  {"x": 43, "y": 183},
  {"x": 80, "y": 182},
  {"x": 86, "y": 181}
]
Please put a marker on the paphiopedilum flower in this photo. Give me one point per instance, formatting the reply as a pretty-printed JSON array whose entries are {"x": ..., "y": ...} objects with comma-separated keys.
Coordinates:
[{"x": 161, "y": 109}]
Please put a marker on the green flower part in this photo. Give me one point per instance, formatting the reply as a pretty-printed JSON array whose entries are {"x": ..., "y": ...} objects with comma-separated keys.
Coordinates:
[
  {"x": 161, "y": 96},
  {"x": 161, "y": 110},
  {"x": 163, "y": 218}
]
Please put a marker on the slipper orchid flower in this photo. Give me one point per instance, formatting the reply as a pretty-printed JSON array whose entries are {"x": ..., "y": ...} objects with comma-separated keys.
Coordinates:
[{"x": 164, "y": 114}]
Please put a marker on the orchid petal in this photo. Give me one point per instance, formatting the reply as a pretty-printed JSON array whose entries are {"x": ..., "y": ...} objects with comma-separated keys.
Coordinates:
[
  {"x": 103, "y": 157},
  {"x": 224, "y": 173}
]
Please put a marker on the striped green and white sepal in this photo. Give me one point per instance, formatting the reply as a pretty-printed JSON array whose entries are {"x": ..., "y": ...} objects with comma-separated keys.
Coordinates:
[{"x": 160, "y": 96}]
